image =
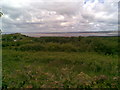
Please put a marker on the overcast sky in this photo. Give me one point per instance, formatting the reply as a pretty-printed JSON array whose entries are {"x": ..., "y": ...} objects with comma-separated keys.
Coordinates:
[{"x": 59, "y": 15}]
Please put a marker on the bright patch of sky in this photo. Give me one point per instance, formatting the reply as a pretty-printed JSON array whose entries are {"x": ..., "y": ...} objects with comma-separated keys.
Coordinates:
[{"x": 92, "y": 1}]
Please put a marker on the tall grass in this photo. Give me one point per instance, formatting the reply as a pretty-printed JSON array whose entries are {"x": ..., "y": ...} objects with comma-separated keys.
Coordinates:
[{"x": 21, "y": 69}]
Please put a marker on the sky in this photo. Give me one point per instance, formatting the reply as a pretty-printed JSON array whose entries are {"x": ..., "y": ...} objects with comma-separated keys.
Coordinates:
[{"x": 59, "y": 15}]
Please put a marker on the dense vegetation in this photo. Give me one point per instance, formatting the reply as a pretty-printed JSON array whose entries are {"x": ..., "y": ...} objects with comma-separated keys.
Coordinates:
[
  {"x": 104, "y": 45},
  {"x": 64, "y": 62}
]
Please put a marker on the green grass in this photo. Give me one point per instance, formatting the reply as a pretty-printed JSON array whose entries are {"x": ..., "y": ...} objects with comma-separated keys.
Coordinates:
[{"x": 60, "y": 62}]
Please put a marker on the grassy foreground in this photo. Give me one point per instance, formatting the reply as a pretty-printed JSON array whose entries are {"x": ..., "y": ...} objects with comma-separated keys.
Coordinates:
[{"x": 59, "y": 62}]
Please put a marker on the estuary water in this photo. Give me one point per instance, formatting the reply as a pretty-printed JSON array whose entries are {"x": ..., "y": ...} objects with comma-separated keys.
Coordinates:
[{"x": 65, "y": 34}]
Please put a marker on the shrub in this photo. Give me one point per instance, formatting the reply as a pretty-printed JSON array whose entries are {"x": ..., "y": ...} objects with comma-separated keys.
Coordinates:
[{"x": 34, "y": 47}]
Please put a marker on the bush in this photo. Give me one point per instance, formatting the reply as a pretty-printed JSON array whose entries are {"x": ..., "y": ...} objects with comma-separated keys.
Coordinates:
[
  {"x": 34, "y": 47},
  {"x": 60, "y": 47}
]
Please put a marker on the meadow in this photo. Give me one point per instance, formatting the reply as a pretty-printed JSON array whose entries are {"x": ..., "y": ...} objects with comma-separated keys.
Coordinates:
[{"x": 59, "y": 62}]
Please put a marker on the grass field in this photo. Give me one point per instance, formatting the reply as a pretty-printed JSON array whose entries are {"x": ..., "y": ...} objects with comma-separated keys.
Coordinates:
[{"x": 60, "y": 62}]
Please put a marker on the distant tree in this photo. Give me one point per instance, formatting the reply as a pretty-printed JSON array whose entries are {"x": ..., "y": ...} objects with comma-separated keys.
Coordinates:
[{"x": 1, "y": 14}]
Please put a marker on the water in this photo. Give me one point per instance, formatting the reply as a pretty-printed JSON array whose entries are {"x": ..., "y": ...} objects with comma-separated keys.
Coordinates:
[
  {"x": 65, "y": 34},
  {"x": 69, "y": 34}
]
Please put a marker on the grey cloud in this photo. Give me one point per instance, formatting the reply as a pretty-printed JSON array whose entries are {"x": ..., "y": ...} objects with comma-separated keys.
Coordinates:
[
  {"x": 65, "y": 8},
  {"x": 12, "y": 12},
  {"x": 41, "y": 17}
]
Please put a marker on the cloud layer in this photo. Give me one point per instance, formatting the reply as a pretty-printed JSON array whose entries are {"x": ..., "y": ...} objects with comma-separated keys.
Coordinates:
[{"x": 59, "y": 16}]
